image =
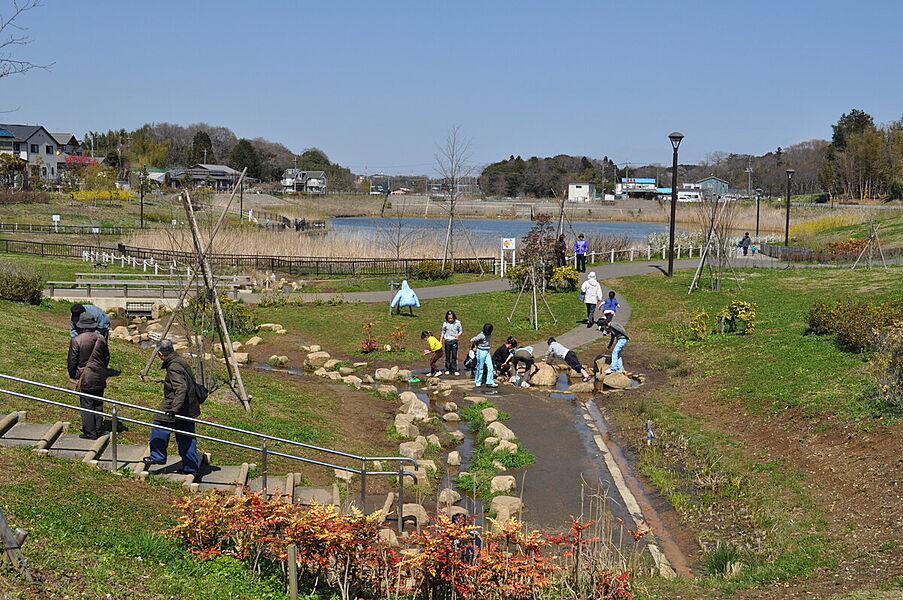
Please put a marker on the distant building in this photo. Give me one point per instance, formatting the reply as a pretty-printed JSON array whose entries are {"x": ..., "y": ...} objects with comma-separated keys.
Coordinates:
[
  {"x": 637, "y": 187},
  {"x": 44, "y": 152},
  {"x": 218, "y": 177},
  {"x": 306, "y": 182},
  {"x": 714, "y": 186},
  {"x": 683, "y": 195},
  {"x": 581, "y": 192}
]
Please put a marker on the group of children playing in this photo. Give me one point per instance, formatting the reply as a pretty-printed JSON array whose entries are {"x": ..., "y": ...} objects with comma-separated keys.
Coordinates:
[{"x": 513, "y": 360}]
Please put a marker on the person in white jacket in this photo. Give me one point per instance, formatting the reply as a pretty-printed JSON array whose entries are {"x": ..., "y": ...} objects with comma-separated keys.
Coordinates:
[{"x": 593, "y": 296}]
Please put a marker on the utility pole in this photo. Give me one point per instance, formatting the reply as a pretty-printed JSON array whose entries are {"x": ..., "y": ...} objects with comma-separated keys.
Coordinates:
[{"x": 749, "y": 195}]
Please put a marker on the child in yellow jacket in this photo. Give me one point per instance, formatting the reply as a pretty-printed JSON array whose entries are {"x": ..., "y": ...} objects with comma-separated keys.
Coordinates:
[{"x": 434, "y": 348}]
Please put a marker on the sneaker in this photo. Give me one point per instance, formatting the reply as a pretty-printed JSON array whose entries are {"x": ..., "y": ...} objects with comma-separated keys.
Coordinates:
[
  {"x": 88, "y": 436},
  {"x": 457, "y": 373},
  {"x": 587, "y": 379},
  {"x": 445, "y": 373},
  {"x": 524, "y": 384},
  {"x": 492, "y": 385},
  {"x": 608, "y": 371}
]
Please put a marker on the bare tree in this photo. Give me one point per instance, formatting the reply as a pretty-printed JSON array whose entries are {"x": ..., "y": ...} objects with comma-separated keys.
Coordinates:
[
  {"x": 452, "y": 164},
  {"x": 11, "y": 35}
]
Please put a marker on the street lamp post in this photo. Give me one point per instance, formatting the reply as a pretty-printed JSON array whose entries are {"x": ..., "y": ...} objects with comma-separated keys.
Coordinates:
[
  {"x": 675, "y": 138},
  {"x": 758, "y": 198},
  {"x": 790, "y": 173}
]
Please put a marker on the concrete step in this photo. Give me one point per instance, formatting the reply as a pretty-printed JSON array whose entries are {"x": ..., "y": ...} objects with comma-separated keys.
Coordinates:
[
  {"x": 278, "y": 486},
  {"x": 69, "y": 445},
  {"x": 7, "y": 420},
  {"x": 128, "y": 456},
  {"x": 26, "y": 434},
  {"x": 307, "y": 495}
]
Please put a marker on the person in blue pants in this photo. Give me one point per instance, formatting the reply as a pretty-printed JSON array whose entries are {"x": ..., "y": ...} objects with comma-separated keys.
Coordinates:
[
  {"x": 180, "y": 399},
  {"x": 481, "y": 344},
  {"x": 618, "y": 339}
]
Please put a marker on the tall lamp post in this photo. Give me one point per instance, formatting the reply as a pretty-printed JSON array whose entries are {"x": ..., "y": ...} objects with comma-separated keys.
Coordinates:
[
  {"x": 790, "y": 173},
  {"x": 758, "y": 199},
  {"x": 675, "y": 138}
]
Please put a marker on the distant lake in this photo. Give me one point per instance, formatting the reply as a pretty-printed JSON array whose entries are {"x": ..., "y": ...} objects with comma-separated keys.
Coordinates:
[{"x": 495, "y": 228}]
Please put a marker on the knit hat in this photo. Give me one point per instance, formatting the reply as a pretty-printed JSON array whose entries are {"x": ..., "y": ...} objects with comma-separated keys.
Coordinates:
[
  {"x": 592, "y": 275},
  {"x": 86, "y": 321}
]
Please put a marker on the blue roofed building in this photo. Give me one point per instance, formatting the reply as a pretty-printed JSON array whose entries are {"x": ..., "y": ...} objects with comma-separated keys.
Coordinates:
[{"x": 714, "y": 186}]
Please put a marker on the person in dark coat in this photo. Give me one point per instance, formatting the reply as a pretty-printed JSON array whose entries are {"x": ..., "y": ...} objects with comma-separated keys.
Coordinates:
[
  {"x": 87, "y": 363},
  {"x": 179, "y": 400},
  {"x": 103, "y": 319},
  {"x": 561, "y": 248}
]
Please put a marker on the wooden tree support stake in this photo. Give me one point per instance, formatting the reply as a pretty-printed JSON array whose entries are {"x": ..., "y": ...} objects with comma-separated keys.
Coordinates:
[{"x": 12, "y": 544}]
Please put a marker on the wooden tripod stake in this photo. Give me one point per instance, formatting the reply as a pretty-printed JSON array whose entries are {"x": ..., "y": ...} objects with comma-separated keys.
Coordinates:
[
  {"x": 210, "y": 284},
  {"x": 12, "y": 543}
]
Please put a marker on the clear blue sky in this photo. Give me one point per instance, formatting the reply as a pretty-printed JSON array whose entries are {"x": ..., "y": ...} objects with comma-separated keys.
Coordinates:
[{"x": 376, "y": 84}]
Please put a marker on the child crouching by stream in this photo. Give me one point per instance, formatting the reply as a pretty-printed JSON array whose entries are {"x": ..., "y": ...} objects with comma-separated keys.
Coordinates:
[{"x": 434, "y": 347}]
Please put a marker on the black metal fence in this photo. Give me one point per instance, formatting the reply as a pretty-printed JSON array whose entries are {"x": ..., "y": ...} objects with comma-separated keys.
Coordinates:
[
  {"x": 69, "y": 229},
  {"x": 294, "y": 265}
]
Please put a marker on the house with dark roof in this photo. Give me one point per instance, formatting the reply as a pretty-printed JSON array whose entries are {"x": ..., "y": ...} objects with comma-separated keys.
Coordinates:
[
  {"x": 307, "y": 182},
  {"x": 44, "y": 152},
  {"x": 218, "y": 177}
]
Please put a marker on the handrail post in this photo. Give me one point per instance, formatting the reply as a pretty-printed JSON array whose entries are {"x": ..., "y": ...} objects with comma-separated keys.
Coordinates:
[
  {"x": 364, "y": 485},
  {"x": 400, "y": 509},
  {"x": 263, "y": 466},
  {"x": 114, "y": 438}
]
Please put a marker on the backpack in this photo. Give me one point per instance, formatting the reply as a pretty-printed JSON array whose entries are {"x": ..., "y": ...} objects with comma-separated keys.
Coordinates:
[{"x": 201, "y": 392}]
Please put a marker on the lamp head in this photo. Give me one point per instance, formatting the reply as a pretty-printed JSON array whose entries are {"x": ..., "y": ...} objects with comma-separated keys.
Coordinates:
[
  {"x": 675, "y": 138},
  {"x": 790, "y": 173}
]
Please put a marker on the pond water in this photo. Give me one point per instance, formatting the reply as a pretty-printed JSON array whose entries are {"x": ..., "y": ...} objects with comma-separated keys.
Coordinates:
[{"x": 494, "y": 228}]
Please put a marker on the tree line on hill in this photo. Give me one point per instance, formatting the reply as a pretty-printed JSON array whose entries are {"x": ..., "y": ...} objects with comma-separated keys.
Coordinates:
[
  {"x": 861, "y": 161},
  {"x": 167, "y": 145}
]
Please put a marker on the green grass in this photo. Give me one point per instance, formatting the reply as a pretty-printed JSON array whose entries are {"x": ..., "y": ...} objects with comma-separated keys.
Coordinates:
[
  {"x": 338, "y": 327},
  {"x": 61, "y": 269},
  {"x": 890, "y": 232},
  {"x": 340, "y": 285},
  {"x": 101, "y": 213},
  {"x": 93, "y": 534},
  {"x": 776, "y": 371},
  {"x": 35, "y": 341}
]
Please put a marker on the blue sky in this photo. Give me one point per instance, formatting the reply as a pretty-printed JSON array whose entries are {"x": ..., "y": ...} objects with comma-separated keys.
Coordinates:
[{"x": 377, "y": 84}]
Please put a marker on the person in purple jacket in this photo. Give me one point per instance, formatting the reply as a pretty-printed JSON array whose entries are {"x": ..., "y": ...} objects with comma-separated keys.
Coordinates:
[{"x": 580, "y": 250}]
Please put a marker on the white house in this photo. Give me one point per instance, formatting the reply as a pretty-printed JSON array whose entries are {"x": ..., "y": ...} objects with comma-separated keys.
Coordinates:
[
  {"x": 308, "y": 182},
  {"x": 39, "y": 148},
  {"x": 581, "y": 192}
]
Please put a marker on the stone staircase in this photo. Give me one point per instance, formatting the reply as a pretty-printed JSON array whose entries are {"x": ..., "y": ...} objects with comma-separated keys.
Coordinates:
[{"x": 52, "y": 439}]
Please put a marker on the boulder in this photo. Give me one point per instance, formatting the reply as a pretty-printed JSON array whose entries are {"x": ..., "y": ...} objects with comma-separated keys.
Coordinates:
[
  {"x": 489, "y": 415},
  {"x": 450, "y": 407},
  {"x": 500, "y": 431},
  {"x": 236, "y": 345},
  {"x": 254, "y": 341},
  {"x": 417, "y": 512},
  {"x": 315, "y": 348},
  {"x": 387, "y": 536},
  {"x": 617, "y": 381},
  {"x": 454, "y": 459},
  {"x": 474, "y": 399},
  {"x": 383, "y": 374},
  {"x": 451, "y": 511},
  {"x": 411, "y": 449},
  {"x": 404, "y": 426},
  {"x": 333, "y": 375},
  {"x": 581, "y": 387},
  {"x": 403, "y": 374},
  {"x": 353, "y": 381},
  {"x": 359, "y": 365},
  {"x": 449, "y": 496},
  {"x": 506, "y": 446},
  {"x": 426, "y": 465},
  {"x": 417, "y": 409},
  {"x": 331, "y": 363},
  {"x": 545, "y": 376},
  {"x": 368, "y": 378},
  {"x": 456, "y": 436},
  {"x": 408, "y": 396},
  {"x": 387, "y": 389},
  {"x": 154, "y": 328},
  {"x": 506, "y": 507},
  {"x": 345, "y": 371},
  {"x": 433, "y": 440},
  {"x": 451, "y": 417},
  {"x": 498, "y": 465},
  {"x": 600, "y": 364},
  {"x": 242, "y": 358},
  {"x": 276, "y": 360},
  {"x": 316, "y": 359},
  {"x": 120, "y": 333},
  {"x": 270, "y": 327},
  {"x": 490, "y": 441},
  {"x": 343, "y": 475},
  {"x": 321, "y": 372},
  {"x": 503, "y": 483}
]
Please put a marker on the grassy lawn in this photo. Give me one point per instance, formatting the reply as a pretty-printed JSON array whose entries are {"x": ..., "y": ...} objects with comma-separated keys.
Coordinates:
[
  {"x": 722, "y": 396},
  {"x": 60, "y": 269},
  {"x": 890, "y": 233},
  {"x": 35, "y": 342},
  {"x": 93, "y": 534},
  {"x": 340, "y": 285},
  {"x": 338, "y": 328},
  {"x": 102, "y": 213}
]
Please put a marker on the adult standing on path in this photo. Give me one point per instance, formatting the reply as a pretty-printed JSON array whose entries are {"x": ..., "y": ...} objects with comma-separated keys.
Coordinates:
[
  {"x": 561, "y": 248},
  {"x": 180, "y": 399},
  {"x": 87, "y": 363},
  {"x": 451, "y": 332},
  {"x": 481, "y": 343},
  {"x": 581, "y": 247},
  {"x": 619, "y": 339},
  {"x": 592, "y": 296},
  {"x": 745, "y": 243}
]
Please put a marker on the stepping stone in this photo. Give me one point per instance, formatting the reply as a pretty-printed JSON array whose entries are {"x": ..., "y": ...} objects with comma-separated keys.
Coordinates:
[
  {"x": 25, "y": 434},
  {"x": 69, "y": 445}
]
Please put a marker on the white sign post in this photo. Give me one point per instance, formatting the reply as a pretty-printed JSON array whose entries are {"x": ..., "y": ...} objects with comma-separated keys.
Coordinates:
[
  {"x": 56, "y": 221},
  {"x": 508, "y": 245}
]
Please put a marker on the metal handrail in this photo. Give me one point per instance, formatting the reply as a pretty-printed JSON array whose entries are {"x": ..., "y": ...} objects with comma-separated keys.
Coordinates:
[{"x": 265, "y": 451}]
